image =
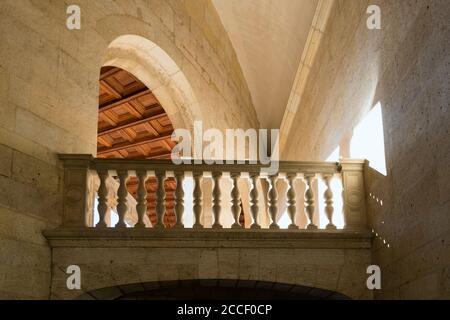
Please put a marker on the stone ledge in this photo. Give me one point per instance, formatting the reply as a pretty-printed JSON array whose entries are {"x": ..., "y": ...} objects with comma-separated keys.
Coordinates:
[{"x": 208, "y": 238}]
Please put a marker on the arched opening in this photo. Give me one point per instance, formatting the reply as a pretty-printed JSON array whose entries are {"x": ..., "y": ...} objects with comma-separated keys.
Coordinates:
[
  {"x": 143, "y": 97},
  {"x": 132, "y": 124},
  {"x": 160, "y": 73},
  {"x": 212, "y": 289}
]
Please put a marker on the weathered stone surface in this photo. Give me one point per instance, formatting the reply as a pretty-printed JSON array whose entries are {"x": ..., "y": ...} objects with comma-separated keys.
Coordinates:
[
  {"x": 405, "y": 66},
  {"x": 49, "y": 99},
  {"x": 180, "y": 258}
]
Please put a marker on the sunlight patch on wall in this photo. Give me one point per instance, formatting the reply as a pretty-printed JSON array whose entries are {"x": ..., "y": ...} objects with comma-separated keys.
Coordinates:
[{"x": 368, "y": 140}]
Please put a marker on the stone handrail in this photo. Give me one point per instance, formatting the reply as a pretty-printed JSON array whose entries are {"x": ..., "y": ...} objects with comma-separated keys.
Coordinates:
[{"x": 81, "y": 170}]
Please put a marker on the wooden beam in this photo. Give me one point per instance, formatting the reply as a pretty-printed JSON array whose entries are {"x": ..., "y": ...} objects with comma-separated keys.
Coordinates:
[
  {"x": 128, "y": 135},
  {"x": 142, "y": 150},
  {"x": 132, "y": 124},
  {"x": 109, "y": 73},
  {"x": 120, "y": 102},
  {"x": 110, "y": 118},
  {"x": 131, "y": 109},
  {"x": 167, "y": 145},
  {"x": 137, "y": 105},
  {"x": 151, "y": 128},
  {"x": 110, "y": 89},
  {"x": 123, "y": 155},
  {"x": 129, "y": 145},
  {"x": 104, "y": 141}
]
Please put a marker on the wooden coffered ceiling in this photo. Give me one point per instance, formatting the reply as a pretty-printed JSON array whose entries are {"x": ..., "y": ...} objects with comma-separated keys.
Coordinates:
[{"x": 132, "y": 124}]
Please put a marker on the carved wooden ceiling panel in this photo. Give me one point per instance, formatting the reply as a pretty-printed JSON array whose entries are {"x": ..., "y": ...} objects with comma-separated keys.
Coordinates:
[{"x": 132, "y": 124}]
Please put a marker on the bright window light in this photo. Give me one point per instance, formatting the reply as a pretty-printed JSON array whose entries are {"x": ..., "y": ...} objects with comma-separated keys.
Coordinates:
[
  {"x": 188, "y": 215},
  {"x": 114, "y": 217},
  {"x": 368, "y": 140},
  {"x": 334, "y": 156},
  {"x": 284, "y": 221},
  {"x": 96, "y": 215}
]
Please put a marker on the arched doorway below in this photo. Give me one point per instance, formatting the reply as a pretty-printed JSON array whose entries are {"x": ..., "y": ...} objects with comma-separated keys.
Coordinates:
[{"x": 213, "y": 289}]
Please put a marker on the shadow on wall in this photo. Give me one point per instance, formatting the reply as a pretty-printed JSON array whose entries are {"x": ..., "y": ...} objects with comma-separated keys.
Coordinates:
[{"x": 211, "y": 289}]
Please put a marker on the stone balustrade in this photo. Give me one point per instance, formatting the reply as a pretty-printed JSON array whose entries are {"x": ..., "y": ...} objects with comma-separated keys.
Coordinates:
[{"x": 81, "y": 170}]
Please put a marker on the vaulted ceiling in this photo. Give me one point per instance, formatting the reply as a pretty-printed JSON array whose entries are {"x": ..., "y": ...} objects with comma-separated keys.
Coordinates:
[{"x": 268, "y": 37}]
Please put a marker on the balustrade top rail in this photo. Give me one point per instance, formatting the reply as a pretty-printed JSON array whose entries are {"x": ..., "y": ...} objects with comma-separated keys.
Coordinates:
[
  {"x": 80, "y": 168},
  {"x": 317, "y": 167}
]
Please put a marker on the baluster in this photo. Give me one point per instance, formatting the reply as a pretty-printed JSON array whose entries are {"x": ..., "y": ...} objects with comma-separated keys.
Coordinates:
[
  {"x": 217, "y": 200},
  {"x": 198, "y": 200},
  {"x": 141, "y": 206},
  {"x": 292, "y": 209},
  {"x": 309, "y": 200},
  {"x": 160, "y": 199},
  {"x": 273, "y": 200},
  {"x": 254, "y": 195},
  {"x": 179, "y": 196},
  {"x": 122, "y": 194},
  {"x": 102, "y": 206},
  {"x": 328, "y": 196},
  {"x": 235, "y": 201}
]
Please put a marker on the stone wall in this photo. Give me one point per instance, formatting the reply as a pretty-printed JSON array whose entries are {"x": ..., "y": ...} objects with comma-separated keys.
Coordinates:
[
  {"x": 49, "y": 99},
  {"x": 405, "y": 66},
  {"x": 334, "y": 261}
]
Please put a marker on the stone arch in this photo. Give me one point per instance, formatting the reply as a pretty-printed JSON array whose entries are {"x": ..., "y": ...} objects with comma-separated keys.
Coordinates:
[
  {"x": 160, "y": 73},
  {"x": 222, "y": 289}
]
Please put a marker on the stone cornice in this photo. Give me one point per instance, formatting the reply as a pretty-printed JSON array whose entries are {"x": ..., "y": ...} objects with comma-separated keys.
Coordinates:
[{"x": 208, "y": 238}]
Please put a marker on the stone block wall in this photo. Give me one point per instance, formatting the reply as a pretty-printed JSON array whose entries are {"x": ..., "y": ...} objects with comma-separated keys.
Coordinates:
[
  {"x": 406, "y": 67},
  {"x": 49, "y": 99},
  {"x": 331, "y": 261}
]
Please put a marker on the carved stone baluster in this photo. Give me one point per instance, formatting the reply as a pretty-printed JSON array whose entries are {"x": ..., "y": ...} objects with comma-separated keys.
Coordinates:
[
  {"x": 91, "y": 189},
  {"x": 160, "y": 199},
  {"x": 273, "y": 201},
  {"x": 216, "y": 200},
  {"x": 179, "y": 196},
  {"x": 291, "y": 209},
  {"x": 254, "y": 195},
  {"x": 141, "y": 205},
  {"x": 328, "y": 196},
  {"x": 235, "y": 200},
  {"x": 309, "y": 201},
  {"x": 102, "y": 206},
  {"x": 198, "y": 200},
  {"x": 122, "y": 194}
]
